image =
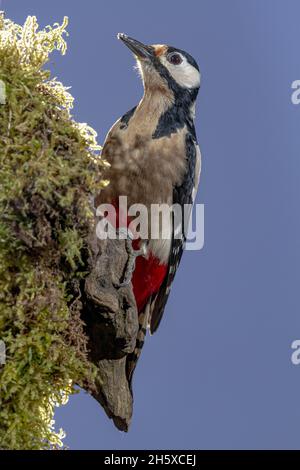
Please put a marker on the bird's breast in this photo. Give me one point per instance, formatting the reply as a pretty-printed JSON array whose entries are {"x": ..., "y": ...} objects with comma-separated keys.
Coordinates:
[{"x": 143, "y": 168}]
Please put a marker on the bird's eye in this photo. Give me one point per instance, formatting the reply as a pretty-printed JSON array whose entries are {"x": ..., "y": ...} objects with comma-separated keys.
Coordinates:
[{"x": 174, "y": 58}]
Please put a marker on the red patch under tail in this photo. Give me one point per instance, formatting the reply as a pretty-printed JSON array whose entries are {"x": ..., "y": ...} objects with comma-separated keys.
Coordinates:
[{"x": 148, "y": 275}]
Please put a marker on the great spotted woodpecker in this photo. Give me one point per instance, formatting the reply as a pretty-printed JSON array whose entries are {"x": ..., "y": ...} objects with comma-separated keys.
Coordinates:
[{"x": 154, "y": 159}]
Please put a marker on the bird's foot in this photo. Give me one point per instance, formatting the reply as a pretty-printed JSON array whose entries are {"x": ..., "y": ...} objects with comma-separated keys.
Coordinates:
[{"x": 132, "y": 255}]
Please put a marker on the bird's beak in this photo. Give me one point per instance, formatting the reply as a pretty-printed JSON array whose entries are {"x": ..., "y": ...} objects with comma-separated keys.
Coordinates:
[{"x": 139, "y": 49}]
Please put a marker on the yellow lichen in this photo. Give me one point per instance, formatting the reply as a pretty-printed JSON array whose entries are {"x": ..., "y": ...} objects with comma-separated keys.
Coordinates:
[{"x": 49, "y": 167}]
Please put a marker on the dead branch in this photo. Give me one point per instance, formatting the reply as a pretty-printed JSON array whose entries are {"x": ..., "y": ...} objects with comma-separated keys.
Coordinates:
[{"x": 111, "y": 319}]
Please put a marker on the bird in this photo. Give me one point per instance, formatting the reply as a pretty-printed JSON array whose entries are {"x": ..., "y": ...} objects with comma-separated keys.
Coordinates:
[{"x": 154, "y": 158}]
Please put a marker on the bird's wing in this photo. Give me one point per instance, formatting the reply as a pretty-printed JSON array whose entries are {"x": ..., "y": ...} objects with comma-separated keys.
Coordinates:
[
  {"x": 182, "y": 194},
  {"x": 153, "y": 312}
]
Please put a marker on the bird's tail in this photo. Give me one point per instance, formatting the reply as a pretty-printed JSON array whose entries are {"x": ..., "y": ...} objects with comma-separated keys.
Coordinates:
[{"x": 134, "y": 356}]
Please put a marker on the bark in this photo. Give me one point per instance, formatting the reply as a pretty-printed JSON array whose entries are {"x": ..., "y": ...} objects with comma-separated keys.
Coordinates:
[{"x": 111, "y": 318}]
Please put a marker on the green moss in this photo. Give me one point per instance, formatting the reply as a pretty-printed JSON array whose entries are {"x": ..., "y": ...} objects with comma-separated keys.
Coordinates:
[{"x": 49, "y": 166}]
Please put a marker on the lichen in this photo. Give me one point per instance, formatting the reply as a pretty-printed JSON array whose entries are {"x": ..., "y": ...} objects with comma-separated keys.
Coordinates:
[{"x": 49, "y": 167}]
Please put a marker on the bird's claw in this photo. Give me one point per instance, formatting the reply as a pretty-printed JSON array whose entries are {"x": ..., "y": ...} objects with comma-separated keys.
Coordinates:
[{"x": 132, "y": 255}]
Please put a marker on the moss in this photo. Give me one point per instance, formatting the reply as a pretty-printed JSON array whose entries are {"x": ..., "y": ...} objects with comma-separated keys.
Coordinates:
[{"x": 49, "y": 166}]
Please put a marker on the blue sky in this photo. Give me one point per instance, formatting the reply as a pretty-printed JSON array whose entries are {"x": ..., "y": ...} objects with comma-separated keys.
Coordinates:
[{"x": 218, "y": 373}]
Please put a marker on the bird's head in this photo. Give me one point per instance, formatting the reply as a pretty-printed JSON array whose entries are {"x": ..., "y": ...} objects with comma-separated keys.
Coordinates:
[{"x": 164, "y": 67}]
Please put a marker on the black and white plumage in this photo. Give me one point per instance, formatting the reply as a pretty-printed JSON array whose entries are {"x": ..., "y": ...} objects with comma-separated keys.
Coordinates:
[
  {"x": 183, "y": 195},
  {"x": 155, "y": 159}
]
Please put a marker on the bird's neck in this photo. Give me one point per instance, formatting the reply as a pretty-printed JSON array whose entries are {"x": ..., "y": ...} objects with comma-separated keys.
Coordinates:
[
  {"x": 160, "y": 112},
  {"x": 156, "y": 101},
  {"x": 149, "y": 110}
]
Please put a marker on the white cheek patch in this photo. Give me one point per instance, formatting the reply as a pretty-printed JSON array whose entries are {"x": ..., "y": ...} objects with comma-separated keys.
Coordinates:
[{"x": 184, "y": 74}]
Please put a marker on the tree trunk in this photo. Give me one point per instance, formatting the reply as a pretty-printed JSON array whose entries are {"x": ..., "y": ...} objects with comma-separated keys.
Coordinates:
[{"x": 111, "y": 318}]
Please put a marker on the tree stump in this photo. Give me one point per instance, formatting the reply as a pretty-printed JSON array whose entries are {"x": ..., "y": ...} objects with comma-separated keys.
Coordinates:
[{"x": 111, "y": 319}]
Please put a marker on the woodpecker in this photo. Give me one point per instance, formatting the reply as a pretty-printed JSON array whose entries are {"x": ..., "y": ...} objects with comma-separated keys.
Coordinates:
[{"x": 155, "y": 159}]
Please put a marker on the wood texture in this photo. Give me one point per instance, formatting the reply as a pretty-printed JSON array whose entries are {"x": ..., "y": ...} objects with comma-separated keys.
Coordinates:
[{"x": 111, "y": 318}]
